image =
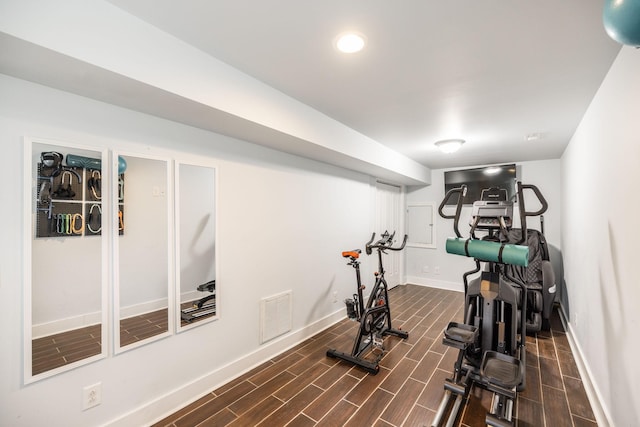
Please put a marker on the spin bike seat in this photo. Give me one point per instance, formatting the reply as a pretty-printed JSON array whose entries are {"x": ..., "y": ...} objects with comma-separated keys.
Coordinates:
[{"x": 351, "y": 254}]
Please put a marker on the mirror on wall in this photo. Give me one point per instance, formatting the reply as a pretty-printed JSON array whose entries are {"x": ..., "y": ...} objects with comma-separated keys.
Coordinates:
[
  {"x": 143, "y": 264},
  {"x": 64, "y": 258},
  {"x": 196, "y": 244}
]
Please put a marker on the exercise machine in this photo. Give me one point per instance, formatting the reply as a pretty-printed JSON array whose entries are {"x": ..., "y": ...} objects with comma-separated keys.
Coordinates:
[
  {"x": 538, "y": 276},
  {"x": 202, "y": 307},
  {"x": 374, "y": 317},
  {"x": 491, "y": 339}
]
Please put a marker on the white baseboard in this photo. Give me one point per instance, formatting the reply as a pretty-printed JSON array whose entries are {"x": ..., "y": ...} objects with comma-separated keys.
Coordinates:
[
  {"x": 67, "y": 324},
  {"x": 88, "y": 319},
  {"x": 144, "y": 307},
  {"x": 176, "y": 399},
  {"x": 603, "y": 418},
  {"x": 193, "y": 295},
  {"x": 433, "y": 283}
]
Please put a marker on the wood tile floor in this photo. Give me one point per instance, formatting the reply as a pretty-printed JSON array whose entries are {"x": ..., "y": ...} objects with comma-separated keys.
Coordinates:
[
  {"x": 61, "y": 349},
  {"x": 57, "y": 350},
  {"x": 304, "y": 387},
  {"x": 138, "y": 328}
]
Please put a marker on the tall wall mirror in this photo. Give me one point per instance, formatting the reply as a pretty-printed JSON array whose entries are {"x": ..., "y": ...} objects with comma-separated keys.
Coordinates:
[
  {"x": 196, "y": 242},
  {"x": 143, "y": 263},
  {"x": 65, "y": 258}
]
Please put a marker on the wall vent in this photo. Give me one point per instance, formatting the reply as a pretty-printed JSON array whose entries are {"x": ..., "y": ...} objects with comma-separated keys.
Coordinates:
[{"x": 275, "y": 316}]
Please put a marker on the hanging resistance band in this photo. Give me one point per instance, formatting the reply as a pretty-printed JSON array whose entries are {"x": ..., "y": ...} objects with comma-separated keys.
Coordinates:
[
  {"x": 75, "y": 229},
  {"x": 64, "y": 223},
  {"x": 94, "y": 183},
  {"x": 121, "y": 220},
  {"x": 120, "y": 188},
  {"x": 97, "y": 217}
]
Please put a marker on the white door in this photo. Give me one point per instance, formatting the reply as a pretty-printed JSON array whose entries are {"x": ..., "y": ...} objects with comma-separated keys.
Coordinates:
[{"x": 388, "y": 214}]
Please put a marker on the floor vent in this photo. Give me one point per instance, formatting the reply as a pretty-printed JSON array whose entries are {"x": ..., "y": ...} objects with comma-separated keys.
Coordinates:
[{"x": 275, "y": 316}]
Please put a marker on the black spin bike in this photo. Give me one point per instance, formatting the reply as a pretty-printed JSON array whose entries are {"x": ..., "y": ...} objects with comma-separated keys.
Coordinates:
[{"x": 375, "y": 316}]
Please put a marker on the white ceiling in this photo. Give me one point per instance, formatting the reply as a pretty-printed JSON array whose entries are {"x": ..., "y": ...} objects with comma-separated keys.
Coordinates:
[{"x": 490, "y": 72}]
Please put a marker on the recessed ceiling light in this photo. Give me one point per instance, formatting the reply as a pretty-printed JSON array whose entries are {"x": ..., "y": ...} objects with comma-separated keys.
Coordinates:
[
  {"x": 533, "y": 136},
  {"x": 449, "y": 145},
  {"x": 350, "y": 42}
]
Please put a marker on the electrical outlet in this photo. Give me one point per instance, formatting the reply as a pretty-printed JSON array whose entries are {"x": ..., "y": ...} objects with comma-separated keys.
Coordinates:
[
  {"x": 158, "y": 191},
  {"x": 425, "y": 269},
  {"x": 91, "y": 396},
  {"x": 436, "y": 270},
  {"x": 335, "y": 296}
]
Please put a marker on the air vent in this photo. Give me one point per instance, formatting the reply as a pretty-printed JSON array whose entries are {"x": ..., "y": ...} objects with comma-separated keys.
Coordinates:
[{"x": 275, "y": 316}]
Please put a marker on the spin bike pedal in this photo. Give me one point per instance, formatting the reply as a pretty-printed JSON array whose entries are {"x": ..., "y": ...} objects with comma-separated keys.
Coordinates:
[{"x": 378, "y": 342}]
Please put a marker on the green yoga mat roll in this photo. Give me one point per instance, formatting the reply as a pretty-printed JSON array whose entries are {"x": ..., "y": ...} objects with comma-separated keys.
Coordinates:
[{"x": 489, "y": 251}]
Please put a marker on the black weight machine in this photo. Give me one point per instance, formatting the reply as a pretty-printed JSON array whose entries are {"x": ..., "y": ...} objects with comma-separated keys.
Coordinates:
[
  {"x": 375, "y": 316},
  {"x": 491, "y": 339}
]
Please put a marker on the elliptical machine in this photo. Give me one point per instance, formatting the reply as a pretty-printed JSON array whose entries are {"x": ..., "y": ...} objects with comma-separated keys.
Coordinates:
[
  {"x": 375, "y": 316},
  {"x": 491, "y": 339}
]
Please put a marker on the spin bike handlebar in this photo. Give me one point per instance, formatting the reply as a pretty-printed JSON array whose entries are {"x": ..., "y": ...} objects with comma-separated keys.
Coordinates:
[{"x": 385, "y": 243}]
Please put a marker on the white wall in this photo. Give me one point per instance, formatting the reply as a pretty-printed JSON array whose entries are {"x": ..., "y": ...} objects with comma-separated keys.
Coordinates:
[
  {"x": 280, "y": 229},
  {"x": 600, "y": 238},
  {"x": 545, "y": 174}
]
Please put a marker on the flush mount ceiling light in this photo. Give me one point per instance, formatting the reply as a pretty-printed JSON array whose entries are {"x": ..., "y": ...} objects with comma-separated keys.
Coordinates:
[
  {"x": 350, "y": 42},
  {"x": 449, "y": 145}
]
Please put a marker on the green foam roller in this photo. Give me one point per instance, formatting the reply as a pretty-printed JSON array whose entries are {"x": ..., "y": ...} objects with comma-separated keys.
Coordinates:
[{"x": 485, "y": 250}]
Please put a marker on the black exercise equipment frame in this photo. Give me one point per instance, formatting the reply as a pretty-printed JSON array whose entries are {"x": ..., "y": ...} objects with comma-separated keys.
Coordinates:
[
  {"x": 375, "y": 316},
  {"x": 491, "y": 341}
]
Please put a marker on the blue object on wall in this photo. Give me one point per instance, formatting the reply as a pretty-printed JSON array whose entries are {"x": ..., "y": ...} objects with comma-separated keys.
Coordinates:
[
  {"x": 621, "y": 20},
  {"x": 91, "y": 163},
  {"x": 122, "y": 165}
]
